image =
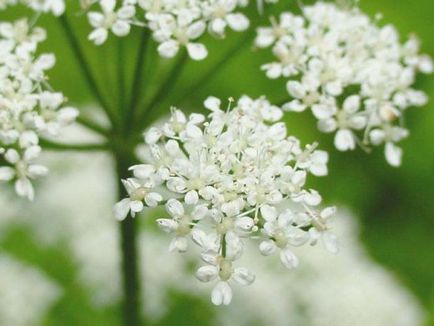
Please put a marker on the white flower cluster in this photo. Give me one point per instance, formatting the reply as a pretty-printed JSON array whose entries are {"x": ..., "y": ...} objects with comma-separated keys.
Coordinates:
[
  {"x": 174, "y": 24},
  {"x": 353, "y": 75},
  {"x": 56, "y": 7},
  {"x": 227, "y": 177},
  {"x": 28, "y": 106},
  {"x": 328, "y": 288}
]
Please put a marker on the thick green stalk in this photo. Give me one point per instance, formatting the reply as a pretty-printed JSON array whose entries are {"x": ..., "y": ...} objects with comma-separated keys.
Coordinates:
[{"x": 129, "y": 250}]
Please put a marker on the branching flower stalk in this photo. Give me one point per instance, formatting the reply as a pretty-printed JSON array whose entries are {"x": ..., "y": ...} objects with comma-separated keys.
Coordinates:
[{"x": 234, "y": 174}]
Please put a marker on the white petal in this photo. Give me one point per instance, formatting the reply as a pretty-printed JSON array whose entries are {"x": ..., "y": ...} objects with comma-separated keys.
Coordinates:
[
  {"x": 68, "y": 115},
  {"x": 175, "y": 208},
  {"x": 244, "y": 223},
  {"x": 221, "y": 294},
  {"x": 377, "y": 136},
  {"x": 179, "y": 243},
  {"x": 24, "y": 188},
  {"x": 168, "y": 49},
  {"x": 294, "y": 106},
  {"x": 142, "y": 171},
  {"x": 344, "y": 140},
  {"x": 352, "y": 104},
  {"x": 207, "y": 273},
  {"x": 393, "y": 154},
  {"x": 167, "y": 225},
  {"x": 312, "y": 198},
  {"x": 96, "y": 19},
  {"x": 322, "y": 111},
  {"x": 35, "y": 170},
  {"x": 12, "y": 156},
  {"x": 330, "y": 242},
  {"x": 121, "y": 209},
  {"x": 200, "y": 238},
  {"x": 267, "y": 247},
  {"x": 31, "y": 153},
  {"x": 243, "y": 276},
  {"x": 136, "y": 206},
  {"x": 98, "y": 36},
  {"x": 288, "y": 259},
  {"x": 212, "y": 103},
  {"x": 121, "y": 28},
  {"x": 298, "y": 237},
  {"x": 191, "y": 197},
  {"x": 195, "y": 30},
  {"x": 197, "y": 51},
  {"x": 328, "y": 212},
  {"x": 193, "y": 131},
  {"x": 269, "y": 213},
  {"x": 327, "y": 125},
  {"x": 6, "y": 173},
  {"x": 199, "y": 212},
  {"x": 153, "y": 135},
  {"x": 107, "y": 5},
  {"x": 296, "y": 89},
  {"x": 152, "y": 199},
  {"x": 126, "y": 12},
  {"x": 238, "y": 22},
  {"x": 218, "y": 26}
]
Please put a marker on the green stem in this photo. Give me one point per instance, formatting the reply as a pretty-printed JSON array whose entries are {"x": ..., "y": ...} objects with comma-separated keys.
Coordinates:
[
  {"x": 167, "y": 84},
  {"x": 85, "y": 69},
  {"x": 89, "y": 124},
  {"x": 138, "y": 79},
  {"x": 208, "y": 76},
  {"x": 121, "y": 75},
  {"x": 129, "y": 264},
  {"x": 49, "y": 144}
]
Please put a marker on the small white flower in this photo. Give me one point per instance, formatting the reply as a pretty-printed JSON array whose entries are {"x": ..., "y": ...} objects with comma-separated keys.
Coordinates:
[
  {"x": 138, "y": 194},
  {"x": 117, "y": 20},
  {"x": 321, "y": 229}
]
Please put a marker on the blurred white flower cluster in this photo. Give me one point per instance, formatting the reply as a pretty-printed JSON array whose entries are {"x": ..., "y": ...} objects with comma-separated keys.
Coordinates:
[
  {"x": 29, "y": 108},
  {"x": 224, "y": 178},
  {"x": 174, "y": 24},
  {"x": 325, "y": 290},
  {"x": 26, "y": 293},
  {"x": 56, "y": 7},
  {"x": 355, "y": 76}
]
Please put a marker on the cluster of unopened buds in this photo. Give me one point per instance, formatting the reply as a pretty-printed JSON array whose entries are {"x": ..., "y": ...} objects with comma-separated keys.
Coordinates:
[
  {"x": 28, "y": 106},
  {"x": 355, "y": 76},
  {"x": 231, "y": 176}
]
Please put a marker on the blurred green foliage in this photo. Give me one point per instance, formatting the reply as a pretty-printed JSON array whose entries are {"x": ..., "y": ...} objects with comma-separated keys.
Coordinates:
[{"x": 396, "y": 206}]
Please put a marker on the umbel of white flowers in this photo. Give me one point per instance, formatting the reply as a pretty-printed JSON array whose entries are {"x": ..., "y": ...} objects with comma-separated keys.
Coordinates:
[
  {"x": 355, "y": 76},
  {"x": 226, "y": 178},
  {"x": 28, "y": 106},
  {"x": 174, "y": 24}
]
